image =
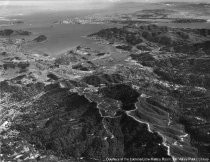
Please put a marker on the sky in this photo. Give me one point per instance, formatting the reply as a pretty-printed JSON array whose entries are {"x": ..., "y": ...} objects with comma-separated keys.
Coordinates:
[
  {"x": 8, "y": 7},
  {"x": 22, "y": 7},
  {"x": 77, "y": 2},
  {"x": 104, "y": 1}
]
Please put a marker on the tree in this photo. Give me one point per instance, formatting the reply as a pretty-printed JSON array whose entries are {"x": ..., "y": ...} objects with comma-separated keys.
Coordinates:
[{"x": 8, "y": 32}]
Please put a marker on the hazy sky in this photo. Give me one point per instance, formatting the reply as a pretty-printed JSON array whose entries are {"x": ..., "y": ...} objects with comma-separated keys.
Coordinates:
[
  {"x": 98, "y": 1},
  {"x": 8, "y": 7},
  {"x": 7, "y": 2},
  {"x": 12, "y": 7}
]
